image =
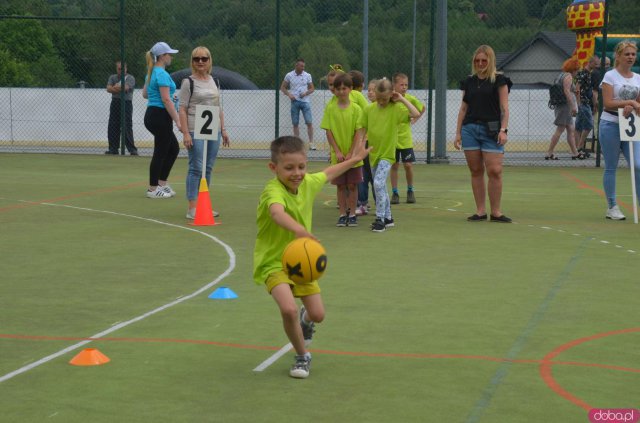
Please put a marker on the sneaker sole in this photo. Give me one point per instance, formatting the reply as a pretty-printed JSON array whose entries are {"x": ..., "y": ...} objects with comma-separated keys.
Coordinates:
[
  {"x": 613, "y": 218},
  {"x": 298, "y": 374}
]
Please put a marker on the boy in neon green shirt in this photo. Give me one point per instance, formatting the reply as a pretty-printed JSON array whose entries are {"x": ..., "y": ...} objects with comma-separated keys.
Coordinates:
[
  {"x": 341, "y": 120},
  {"x": 284, "y": 213},
  {"x": 404, "y": 150}
]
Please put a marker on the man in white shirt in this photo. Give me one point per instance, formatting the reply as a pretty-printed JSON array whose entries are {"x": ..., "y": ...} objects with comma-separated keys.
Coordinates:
[{"x": 298, "y": 85}]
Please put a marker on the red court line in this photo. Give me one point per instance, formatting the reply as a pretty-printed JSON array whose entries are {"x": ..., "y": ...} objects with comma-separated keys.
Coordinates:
[
  {"x": 546, "y": 365},
  {"x": 72, "y": 196},
  {"x": 583, "y": 185},
  {"x": 545, "y": 361}
]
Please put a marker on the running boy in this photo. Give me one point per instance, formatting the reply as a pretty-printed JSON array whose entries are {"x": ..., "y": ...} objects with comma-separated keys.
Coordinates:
[
  {"x": 404, "y": 150},
  {"x": 285, "y": 213},
  {"x": 341, "y": 121},
  {"x": 380, "y": 122}
]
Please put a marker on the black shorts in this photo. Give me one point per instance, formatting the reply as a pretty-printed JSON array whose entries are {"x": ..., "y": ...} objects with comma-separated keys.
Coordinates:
[{"x": 406, "y": 154}]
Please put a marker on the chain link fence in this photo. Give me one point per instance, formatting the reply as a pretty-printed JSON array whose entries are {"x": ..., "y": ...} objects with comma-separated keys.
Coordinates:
[{"x": 56, "y": 58}]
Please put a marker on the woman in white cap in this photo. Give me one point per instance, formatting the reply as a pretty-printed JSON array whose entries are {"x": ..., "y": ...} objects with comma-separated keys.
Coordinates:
[{"x": 159, "y": 89}]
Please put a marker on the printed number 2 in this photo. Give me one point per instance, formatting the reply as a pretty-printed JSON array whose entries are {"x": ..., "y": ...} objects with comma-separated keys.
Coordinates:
[{"x": 208, "y": 116}]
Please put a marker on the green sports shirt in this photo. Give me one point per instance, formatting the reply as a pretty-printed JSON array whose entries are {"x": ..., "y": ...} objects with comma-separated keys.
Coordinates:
[
  {"x": 405, "y": 138},
  {"x": 382, "y": 125},
  {"x": 273, "y": 238},
  {"x": 343, "y": 124}
]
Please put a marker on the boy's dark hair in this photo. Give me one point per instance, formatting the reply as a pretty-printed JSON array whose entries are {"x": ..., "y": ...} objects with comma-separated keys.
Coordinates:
[
  {"x": 399, "y": 75},
  {"x": 342, "y": 79},
  {"x": 285, "y": 145},
  {"x": 358, "y": 79}
]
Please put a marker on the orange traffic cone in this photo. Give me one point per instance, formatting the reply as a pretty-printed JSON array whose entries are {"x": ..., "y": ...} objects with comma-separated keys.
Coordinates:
[
  {"x": 89, "y": 357},
  {"x": 204, "y": 213}
]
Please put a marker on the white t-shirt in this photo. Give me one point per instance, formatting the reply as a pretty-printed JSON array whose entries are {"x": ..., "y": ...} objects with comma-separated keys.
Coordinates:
[
  {"x": 623, "y": 89},
  {"x": 298, "y": 84}
]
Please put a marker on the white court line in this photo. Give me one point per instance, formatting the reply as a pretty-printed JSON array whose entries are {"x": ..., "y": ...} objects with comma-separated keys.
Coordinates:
[
  {"x": 232, "y": 265},
  {"x": 269, "y": 361}
]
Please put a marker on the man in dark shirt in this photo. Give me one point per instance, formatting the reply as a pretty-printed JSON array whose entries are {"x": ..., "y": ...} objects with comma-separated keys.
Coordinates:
[{"x": 116, "y": 90}]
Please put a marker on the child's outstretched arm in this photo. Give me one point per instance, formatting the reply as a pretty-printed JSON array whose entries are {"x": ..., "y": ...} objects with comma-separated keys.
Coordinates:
[
  {"x": 285, "y": 220},
  {"x": 358, "y": 153}
]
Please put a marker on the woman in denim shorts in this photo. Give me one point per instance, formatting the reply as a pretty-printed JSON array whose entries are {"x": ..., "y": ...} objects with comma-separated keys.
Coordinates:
[{"x": 481, "y": 131}]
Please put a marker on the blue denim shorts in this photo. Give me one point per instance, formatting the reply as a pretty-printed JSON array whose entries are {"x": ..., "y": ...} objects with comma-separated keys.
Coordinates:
[
  {"x": 476, "y": 137},
  {"x": 584, "y": 119},
  {"x": 298, "y": 106}
]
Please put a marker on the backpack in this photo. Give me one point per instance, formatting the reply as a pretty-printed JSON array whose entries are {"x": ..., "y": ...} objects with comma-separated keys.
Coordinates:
[{"x": 556, "y": 93}]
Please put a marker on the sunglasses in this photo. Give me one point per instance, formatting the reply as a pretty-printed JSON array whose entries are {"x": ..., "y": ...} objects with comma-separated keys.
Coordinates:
[
  {"x": 200, "y": 59},
  {"x": 480, "y": 61}
]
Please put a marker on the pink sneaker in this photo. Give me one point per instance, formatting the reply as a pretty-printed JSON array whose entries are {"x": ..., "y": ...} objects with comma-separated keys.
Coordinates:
[{"x": 361, "y": 211}]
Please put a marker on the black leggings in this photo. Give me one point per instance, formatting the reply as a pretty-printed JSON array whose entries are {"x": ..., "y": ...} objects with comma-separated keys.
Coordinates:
[{"x": 165, "y": 145}]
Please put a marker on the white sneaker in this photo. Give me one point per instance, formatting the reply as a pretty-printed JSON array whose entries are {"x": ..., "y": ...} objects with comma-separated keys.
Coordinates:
[
  {"x": 312, "y": 146},
  {"x": 167, "y": 188},
  {"x": 191, "y": 214},
  {"x": 614, "y": 213},
  {"x": 158, "y": 193}
]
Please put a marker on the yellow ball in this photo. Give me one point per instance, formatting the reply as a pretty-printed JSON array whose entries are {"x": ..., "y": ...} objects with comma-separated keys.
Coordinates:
[{"x": 304, "y": 260}]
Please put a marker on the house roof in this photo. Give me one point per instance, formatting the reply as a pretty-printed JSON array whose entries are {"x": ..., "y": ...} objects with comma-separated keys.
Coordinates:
[{"x": 562, "y": 41}]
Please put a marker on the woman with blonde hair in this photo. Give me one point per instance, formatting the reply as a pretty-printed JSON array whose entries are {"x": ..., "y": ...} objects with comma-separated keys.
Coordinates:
[
  {"x": 481, "y": 131},
  {"x": 620, "y": 90},
  {"x": 159, "y": 117},
  {"x": 199, "y": 89},
  {"x": 565, "y": 113}
]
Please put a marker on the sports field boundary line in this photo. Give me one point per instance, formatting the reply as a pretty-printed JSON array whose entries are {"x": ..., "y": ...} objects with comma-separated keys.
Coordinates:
[
  {"x": 364, "y": 354},
  {"x": 223, "y": 275},
  {"x": 503, "y": 369}
]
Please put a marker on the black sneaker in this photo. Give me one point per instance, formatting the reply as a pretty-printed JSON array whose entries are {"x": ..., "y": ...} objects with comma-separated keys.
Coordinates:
[
  {"x": 395, "y": 198},
  {"x": 378, "y": 225},
  {"x": 352, "y": 221},
  {"x": 109, "y": 152},
  {"x": 307, "y": 328},
  {"x": 388, "y": 223},
  {"x": 411, "y": 197},
  {"x": 300, "y": 369},
  {"x": 342, "y": 221}
]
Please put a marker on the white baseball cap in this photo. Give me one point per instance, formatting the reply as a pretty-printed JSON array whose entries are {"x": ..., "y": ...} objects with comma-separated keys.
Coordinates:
[{"x": 161, "y": 48}]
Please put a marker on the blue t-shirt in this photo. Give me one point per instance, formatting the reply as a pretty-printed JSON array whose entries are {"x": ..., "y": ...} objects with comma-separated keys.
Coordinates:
[{"x": 159, "y": 78}]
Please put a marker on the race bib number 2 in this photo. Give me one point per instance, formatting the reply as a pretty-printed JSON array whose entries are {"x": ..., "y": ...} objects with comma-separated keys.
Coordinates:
[
  {"x": 629, "y": 126},
  {"x": 207, "y": 122}
]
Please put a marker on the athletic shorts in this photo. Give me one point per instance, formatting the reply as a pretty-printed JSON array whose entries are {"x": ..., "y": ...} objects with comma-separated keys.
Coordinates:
[
  {"x": 352, "y": 176},
  {"x": 298, "y": 289},
  {"x": 405, "y": 155}
]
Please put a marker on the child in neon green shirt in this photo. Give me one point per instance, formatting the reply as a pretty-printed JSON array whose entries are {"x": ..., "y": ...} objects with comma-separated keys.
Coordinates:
[
  {"x": 341, "y": 121},
  {"x": 404, "y": 149},
  {"x": 380, "y": 122},
  {"x": 284, "y": 213}
]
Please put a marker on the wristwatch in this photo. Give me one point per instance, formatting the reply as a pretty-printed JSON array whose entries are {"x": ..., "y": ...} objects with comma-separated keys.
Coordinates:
[{"x": 505, "y": 130}]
